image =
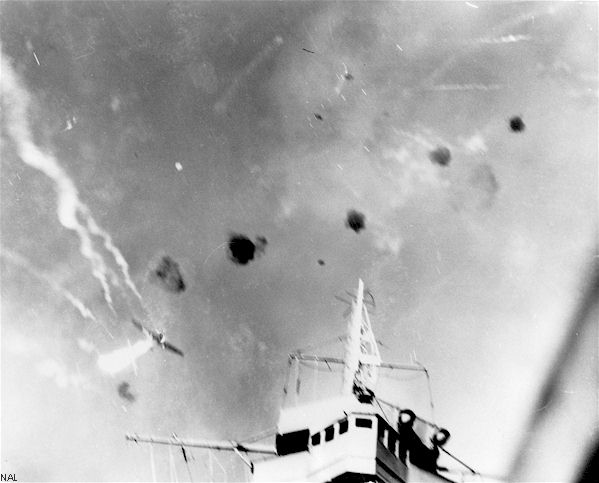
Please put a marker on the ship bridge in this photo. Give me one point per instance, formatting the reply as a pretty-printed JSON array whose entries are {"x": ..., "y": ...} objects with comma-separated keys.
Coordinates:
[
  {"x": 334, "y": 428},
  {"x": 344, "y": 440},
  {"x": 343, "y": 436}
]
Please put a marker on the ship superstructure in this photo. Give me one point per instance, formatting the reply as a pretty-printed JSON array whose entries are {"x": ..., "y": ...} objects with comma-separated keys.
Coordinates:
[{"x": 347, "y": 434}]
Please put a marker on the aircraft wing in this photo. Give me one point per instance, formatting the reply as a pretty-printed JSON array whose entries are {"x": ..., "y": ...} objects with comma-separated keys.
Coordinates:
[{"x": 172, "y": 348}]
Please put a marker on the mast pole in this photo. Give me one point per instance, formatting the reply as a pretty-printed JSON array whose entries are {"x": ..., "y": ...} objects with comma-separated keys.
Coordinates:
[{"x": 352, "y": 344}]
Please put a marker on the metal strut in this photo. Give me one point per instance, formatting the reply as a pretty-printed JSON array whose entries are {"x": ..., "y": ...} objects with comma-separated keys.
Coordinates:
[
  {"x": 204, "y": 443},
  {"x": 337, "y": 360}
]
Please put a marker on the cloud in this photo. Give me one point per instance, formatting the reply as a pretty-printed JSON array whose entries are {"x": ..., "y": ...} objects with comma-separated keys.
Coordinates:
[
  {"x": 86, "y": 346},
  {"x": 20, "y": 345},
  {"x": 56, "y": 371},
  {"x": 386, "y": 242},
  {"x": 473, "y": 187},
  {"x": 203, "y": 76},
  {"x": 520, "y": 255},
  {"x": 475, "y": 144}
]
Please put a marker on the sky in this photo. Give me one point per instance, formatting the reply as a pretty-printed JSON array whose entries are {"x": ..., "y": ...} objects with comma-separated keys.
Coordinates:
[{"x": 132, "y": 131}]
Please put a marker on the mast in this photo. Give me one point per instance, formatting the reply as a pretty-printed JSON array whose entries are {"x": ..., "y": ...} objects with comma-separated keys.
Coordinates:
[{"x": 362, "y": 357}]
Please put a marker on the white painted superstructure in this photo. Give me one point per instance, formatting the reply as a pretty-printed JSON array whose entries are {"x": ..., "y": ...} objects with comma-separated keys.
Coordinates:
[{"x": 337, "y": 430}]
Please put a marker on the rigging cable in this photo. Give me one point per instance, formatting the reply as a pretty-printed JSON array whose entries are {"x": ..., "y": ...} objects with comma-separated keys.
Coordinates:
[
  {"x": 285, "y": 387},
  {"x": 383, "y": 411},
  {"x": 171, "y": 465},
  {"x": 474, "y": 472},
  {"x": 318, "y": 345},
  {"x": 152, "y": 466},
  {"x": 261, "y": 435},
  {"x": 314, "y": 381},
  {"x": 210, "y": 466},
  {"x": 218, "y": 463},
  {"x": 186, "y": 462},
  {"x": 430, "y": 390}
]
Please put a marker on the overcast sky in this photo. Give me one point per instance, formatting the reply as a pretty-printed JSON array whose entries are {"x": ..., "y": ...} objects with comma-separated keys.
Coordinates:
[{"x": 131, "y": 131}]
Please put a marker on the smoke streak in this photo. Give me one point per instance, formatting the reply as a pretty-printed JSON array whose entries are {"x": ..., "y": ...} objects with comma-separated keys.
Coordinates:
[
  {"x": 109, "y": 245},
  {"x": 15, "y": 101},
  {"x": 120, "y": 359},
  {"x": 505, "y": 39},
  {"x": 20, "y": 261},
  {"x": 464, "y": 87},
  {"x": 223, "y": 103},
  {"x": 509, "y": 24}
]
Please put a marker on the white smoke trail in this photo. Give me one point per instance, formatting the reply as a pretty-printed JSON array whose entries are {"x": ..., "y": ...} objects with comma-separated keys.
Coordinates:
[
  {"x": 222, "y": 104},
  {"x": 20, "y": 261},
  {"x": 15, "y": 101},
  {"x": 464, "y": 87},
  {"x": 509, "y": 24},
  {"x": 505, "y": 39},
  {"x": 120, "y": 359},
  {"x": 341, "y": 80},
  {"x": 110, "y": 246}
]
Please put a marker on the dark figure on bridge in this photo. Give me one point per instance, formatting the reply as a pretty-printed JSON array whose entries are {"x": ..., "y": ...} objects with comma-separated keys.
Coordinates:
[{"x": 410, "y": 444}]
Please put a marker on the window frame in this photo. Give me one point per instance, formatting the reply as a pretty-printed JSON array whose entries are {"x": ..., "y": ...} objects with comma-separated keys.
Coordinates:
[
  {"x": 329, "y": 433},
  {"x": 362, "y": 422},
  {"x": 317, "y": 437}
]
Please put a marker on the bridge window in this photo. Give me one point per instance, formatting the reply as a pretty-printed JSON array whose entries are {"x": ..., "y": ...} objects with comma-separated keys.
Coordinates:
[
  {"x": 343, "y": 425},
  {"x": 363, "y": 423},
  {"x": 316, "y": 439},
  {"x": 292, "y": 442},
  {"x": 329, "y": 433}
]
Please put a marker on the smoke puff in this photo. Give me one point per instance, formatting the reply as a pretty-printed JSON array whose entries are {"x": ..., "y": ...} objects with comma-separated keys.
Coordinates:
[
  {"x": 260, "y": 243},
  {"x": 124, "y": 392},
  {"x": 168, "y": 275},
  {"x": 203, "y": 76},
  {"x": 474, "y": 187},
  {"x": 517, "y": 124},
  {"x": 355, "y": 220},
  {"x": 483, "y": 179},
  {"x": 242, "y": 249},
  {"x": 440, "y": 156}
]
